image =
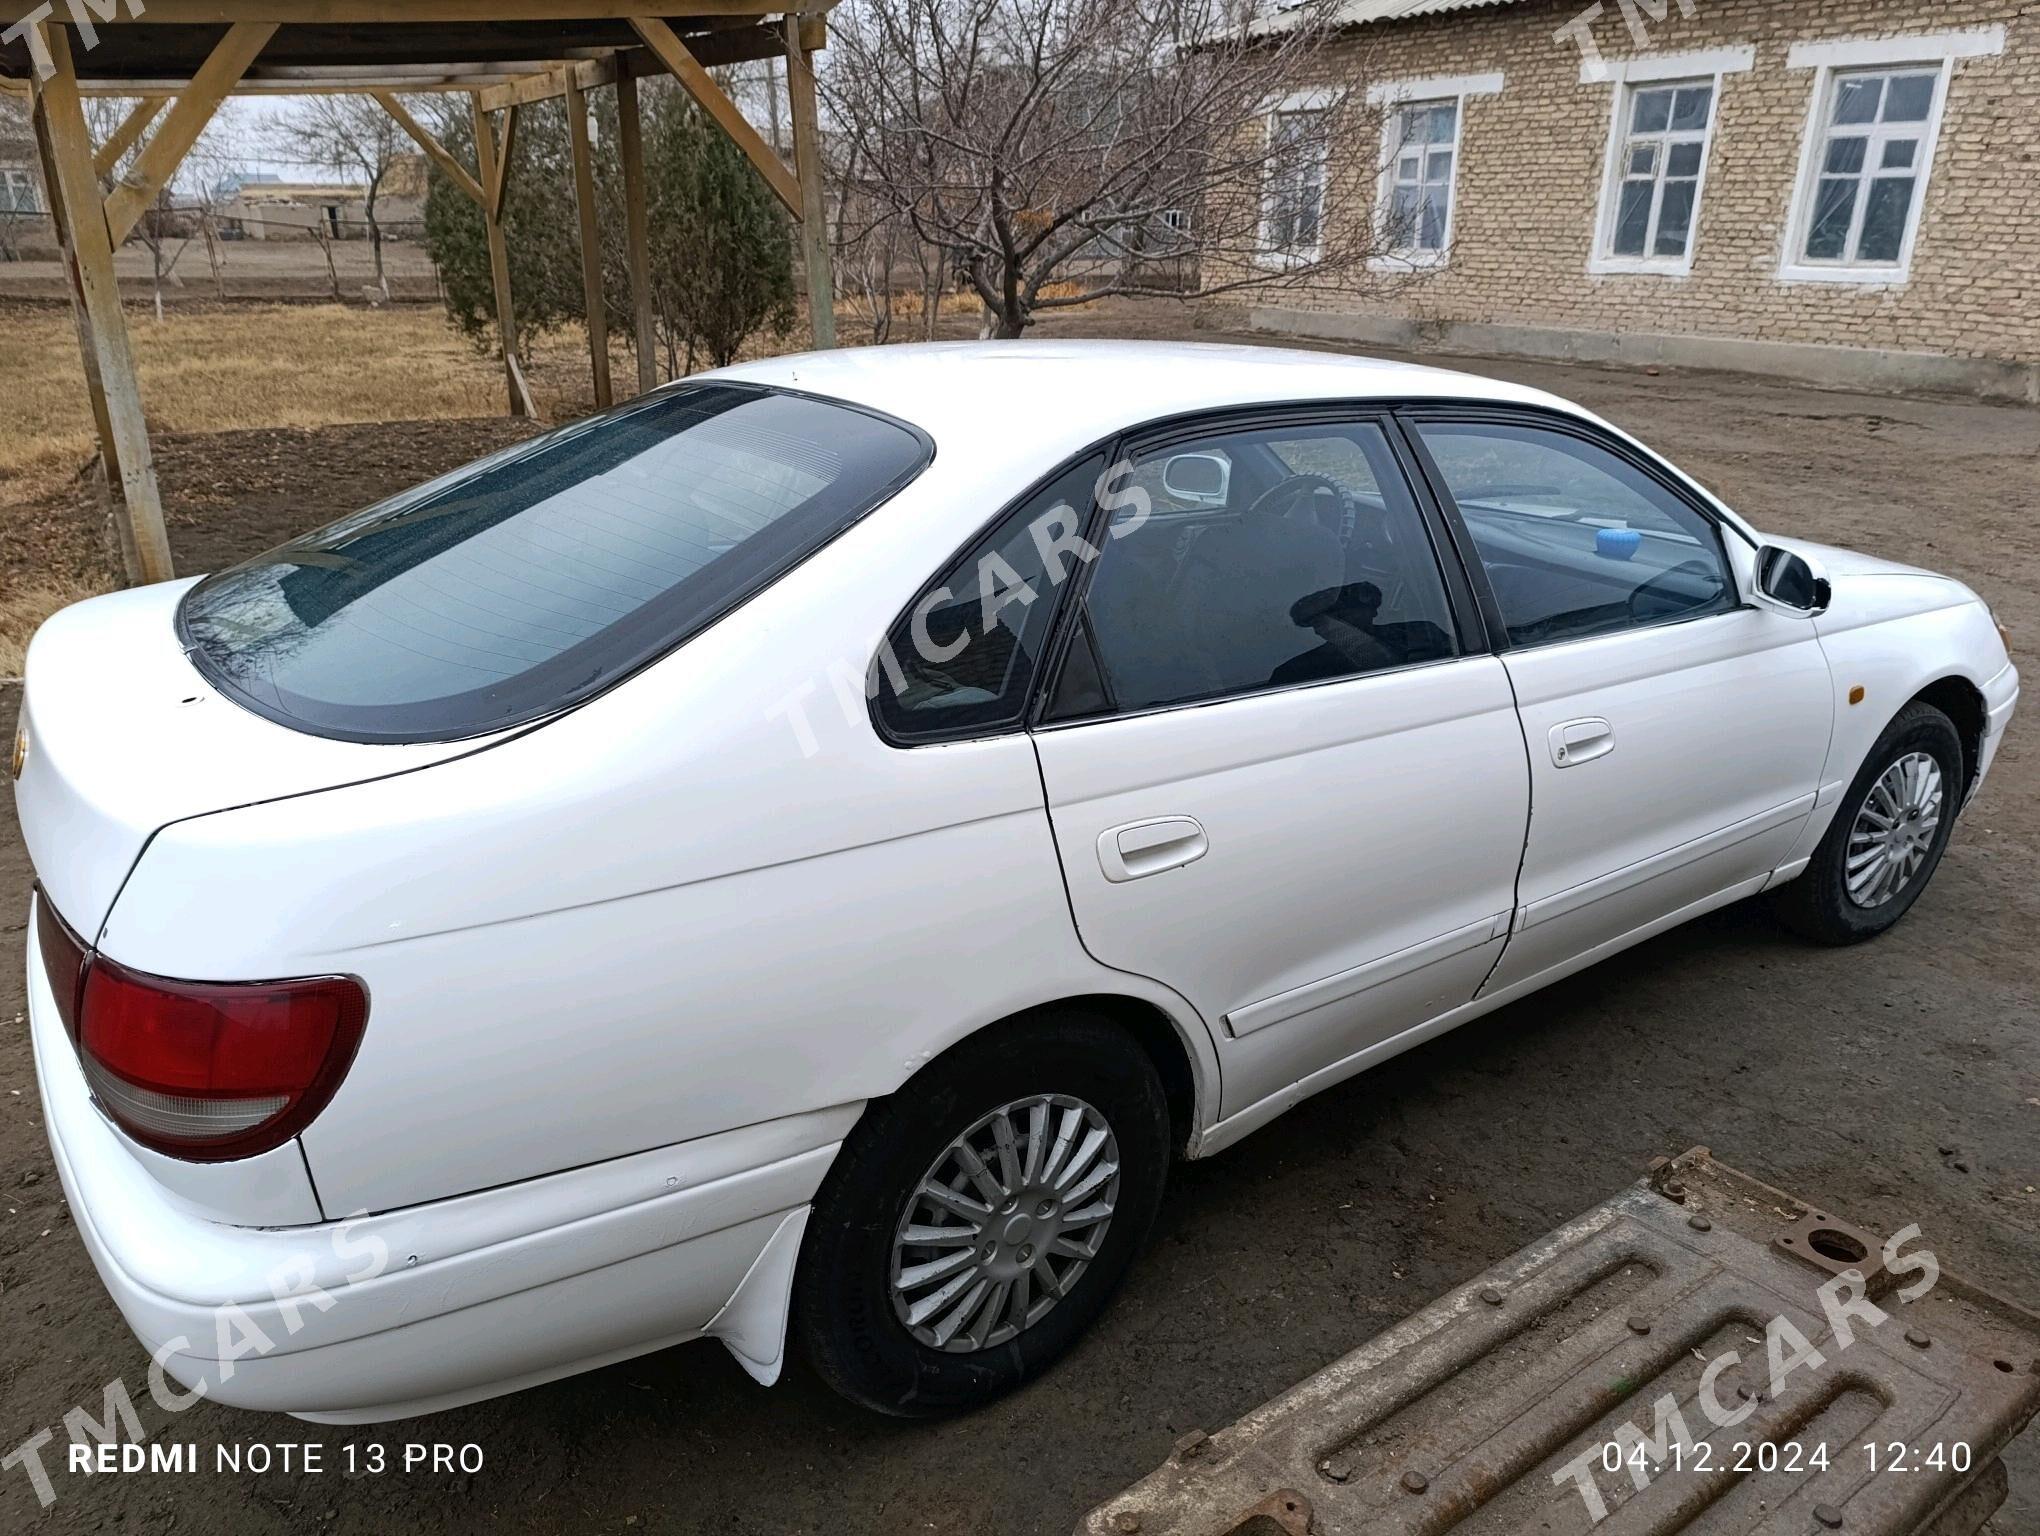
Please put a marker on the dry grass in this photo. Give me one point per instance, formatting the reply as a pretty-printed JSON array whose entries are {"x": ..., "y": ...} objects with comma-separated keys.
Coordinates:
[
  {"x": 208, "y": 368},
  {"x": 22, "y": 611},
  {"x": 215, "y": 369}
]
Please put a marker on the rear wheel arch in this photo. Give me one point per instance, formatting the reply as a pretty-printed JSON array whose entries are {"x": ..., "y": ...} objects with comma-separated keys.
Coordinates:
[{"x": 1191, "y": 1086}]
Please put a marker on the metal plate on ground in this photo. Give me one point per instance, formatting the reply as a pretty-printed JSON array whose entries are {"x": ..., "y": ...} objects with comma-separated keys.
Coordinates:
[{"x": 1701, "y": 1354}]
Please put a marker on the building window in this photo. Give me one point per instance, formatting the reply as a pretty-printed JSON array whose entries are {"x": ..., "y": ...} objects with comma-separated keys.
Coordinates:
[
  {"x": 1420, "y": 177},
  {"x": 1653, "y": 206},
  {"x": 1423, "y": 123},
  {"x": 1871, "y": 131},
  {"x": 1292, "y": 221},
  {"x": 1865, "y": 197},
  {"x": 1660, "y": 137},
  {"x": 18, "y": 191}
]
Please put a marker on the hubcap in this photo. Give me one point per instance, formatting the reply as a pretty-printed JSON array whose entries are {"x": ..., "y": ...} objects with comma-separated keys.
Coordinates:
[
  {"x": 1005, "y": 1222},
  {"x": 1894, "y": 830}
]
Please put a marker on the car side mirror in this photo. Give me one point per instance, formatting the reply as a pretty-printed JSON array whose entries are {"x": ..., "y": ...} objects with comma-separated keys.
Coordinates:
[
  {"x": 1197, "y": 479},
  {"x": 1789, "y": 582}
]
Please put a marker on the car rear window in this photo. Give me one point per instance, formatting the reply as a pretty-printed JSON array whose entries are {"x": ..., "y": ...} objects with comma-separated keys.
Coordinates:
[{"x": 533, "y": 579}]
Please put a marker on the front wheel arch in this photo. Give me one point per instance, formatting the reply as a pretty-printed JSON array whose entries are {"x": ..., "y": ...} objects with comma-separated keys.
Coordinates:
[{"x": 1962, "y": 702}]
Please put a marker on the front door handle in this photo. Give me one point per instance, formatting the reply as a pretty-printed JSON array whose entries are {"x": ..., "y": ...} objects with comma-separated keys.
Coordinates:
[
  {"x": 1581, "y": 741},
  {"x": 1142, "y": 848}
]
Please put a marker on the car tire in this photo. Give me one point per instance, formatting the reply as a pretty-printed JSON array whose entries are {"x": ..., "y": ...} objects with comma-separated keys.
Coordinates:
[
  {"x": 1820, "y": 904},
  {"x": 851, "y": 1317}
]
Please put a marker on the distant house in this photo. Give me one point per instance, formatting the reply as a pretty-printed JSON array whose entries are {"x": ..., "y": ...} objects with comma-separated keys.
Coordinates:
[
  {"x": 1836, "y": 191},
  {"x": 21, "y": 198},
  {"x": 263, "y": 206}
]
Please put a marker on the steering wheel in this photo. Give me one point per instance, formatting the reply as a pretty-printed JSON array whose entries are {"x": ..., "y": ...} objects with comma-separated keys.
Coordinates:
[
  {"x": 1667, "y": 594},
  {"x": 1287, "y": 494}
]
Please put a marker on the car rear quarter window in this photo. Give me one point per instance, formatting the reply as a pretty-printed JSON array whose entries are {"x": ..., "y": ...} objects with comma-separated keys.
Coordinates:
[{"x": 529, "y": 581}]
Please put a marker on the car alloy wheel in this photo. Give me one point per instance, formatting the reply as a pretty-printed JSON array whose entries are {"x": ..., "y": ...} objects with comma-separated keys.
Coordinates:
[
  {"x": 976, "y": 1222},
  {"x": 1894, "y": 830},
  {"x": 1005, "y": 1223}
]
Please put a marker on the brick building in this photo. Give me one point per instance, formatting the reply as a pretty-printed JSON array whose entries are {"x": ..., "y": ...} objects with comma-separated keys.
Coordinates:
[{"x": 1846, "y": 192}]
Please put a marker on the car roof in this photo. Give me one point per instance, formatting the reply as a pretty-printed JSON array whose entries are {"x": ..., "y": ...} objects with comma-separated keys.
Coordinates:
[{"x": 1088, "y": 389}]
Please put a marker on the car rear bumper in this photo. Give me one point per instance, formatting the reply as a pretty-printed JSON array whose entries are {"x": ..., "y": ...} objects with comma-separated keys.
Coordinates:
[{"x": 410, "y": 1311}]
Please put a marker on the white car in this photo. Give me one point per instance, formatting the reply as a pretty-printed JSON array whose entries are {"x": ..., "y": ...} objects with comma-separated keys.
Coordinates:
[{"x": 802, "y": 852}]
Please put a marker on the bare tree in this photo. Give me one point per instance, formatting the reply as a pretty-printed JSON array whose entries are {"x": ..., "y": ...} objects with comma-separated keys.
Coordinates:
[
  {"x": 350, "y": 135},
  {"x": 1053, "y": 152},
  {"x": 188, "y": 208}
]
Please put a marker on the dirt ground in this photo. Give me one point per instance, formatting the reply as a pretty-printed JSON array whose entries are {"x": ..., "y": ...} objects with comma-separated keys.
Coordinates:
[{"x": 1898, "y": 1082}]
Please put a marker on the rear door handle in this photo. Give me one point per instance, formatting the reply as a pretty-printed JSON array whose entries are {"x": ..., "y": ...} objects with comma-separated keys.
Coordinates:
[
  {"x": 1581, "y": 741},
  {"x": 1142, "y": 848}
]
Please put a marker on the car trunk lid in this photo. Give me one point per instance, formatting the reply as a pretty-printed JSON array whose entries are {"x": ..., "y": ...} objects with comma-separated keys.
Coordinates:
[{"x": 123, "y": 737}]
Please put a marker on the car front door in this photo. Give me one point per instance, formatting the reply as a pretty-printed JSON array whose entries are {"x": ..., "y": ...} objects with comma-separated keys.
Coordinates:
[
  {"x": 1676, "y": 733},
  {"x": 1284, "y": 774}
]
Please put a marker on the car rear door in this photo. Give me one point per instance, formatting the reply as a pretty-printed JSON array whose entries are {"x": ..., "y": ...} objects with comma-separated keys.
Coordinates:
[
  {"x": 1676, "y": 733},
  {"x": 1285, "y": 777}
]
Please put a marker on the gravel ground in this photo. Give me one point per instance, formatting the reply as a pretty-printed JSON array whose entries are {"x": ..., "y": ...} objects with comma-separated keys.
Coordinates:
[{"x": 1898, "y": 1082}]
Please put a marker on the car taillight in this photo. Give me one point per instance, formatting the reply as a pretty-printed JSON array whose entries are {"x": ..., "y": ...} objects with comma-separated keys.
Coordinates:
[
  {"x": 63, "y": 958},
  {"x": 219, "y": 1070}
]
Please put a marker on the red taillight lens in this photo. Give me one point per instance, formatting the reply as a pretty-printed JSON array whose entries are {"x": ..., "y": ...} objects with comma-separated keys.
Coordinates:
[
  {"x": 211, "y": 1071},
  {"x": 63, "y": 958}
]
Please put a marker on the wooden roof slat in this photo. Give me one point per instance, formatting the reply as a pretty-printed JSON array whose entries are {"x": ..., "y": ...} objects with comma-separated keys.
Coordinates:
[{"x": 321, "y": 41}]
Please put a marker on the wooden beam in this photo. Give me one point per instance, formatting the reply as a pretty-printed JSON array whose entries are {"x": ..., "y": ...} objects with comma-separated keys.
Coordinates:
[
  {"x": 439, "y": 154},
  {"x": 132, "y": 127},
  {"x": 486, "y": 160},
  {"x": 260, "y": 81},
  {"x": 687, "y": 69},
  {"x": 814, "y": 200},
  {"x": 742, "y": 42},
  {"x": 170, "y": 143},
  {"x": 499, "y": 183},
  {"x": 97, "y": 295},
  {"x": 478, "y": 12},
  {"x": 591, "y": 239},
  {"x": 630, "y": 146}
]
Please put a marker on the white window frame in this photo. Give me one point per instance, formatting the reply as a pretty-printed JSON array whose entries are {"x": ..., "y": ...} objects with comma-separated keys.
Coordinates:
[
  {"x": 1627, "y": 76},
  {"x": 32, "y": 191},
  {"x": 1393, "y": 96},
  {"x": 1268, "y": 254},
  {"x": 1831, "y": 61}
]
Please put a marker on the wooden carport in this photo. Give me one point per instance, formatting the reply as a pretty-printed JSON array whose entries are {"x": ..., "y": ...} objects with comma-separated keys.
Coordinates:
[{"x": 183, "y": 58}]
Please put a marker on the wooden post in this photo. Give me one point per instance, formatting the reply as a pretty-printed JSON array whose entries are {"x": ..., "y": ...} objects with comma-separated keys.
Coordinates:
[
  {"x": 102, "y": 326},
  {"x": 591, "y": 238},
  {"x": 95, "y": 391},
  {"x": 630, "y": 145},
  {"x": 494, "y": 179},
  {"x": 814, "y": 203}
]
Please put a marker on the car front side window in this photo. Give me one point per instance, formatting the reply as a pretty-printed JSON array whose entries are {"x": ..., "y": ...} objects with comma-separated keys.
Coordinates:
[
  {"x": 1305, "y": 561},
  {"x": 1574, "y": 539}
]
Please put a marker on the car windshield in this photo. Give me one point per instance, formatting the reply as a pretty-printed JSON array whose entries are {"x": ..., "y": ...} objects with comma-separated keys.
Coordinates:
[{"x": 533, "y": 579}]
